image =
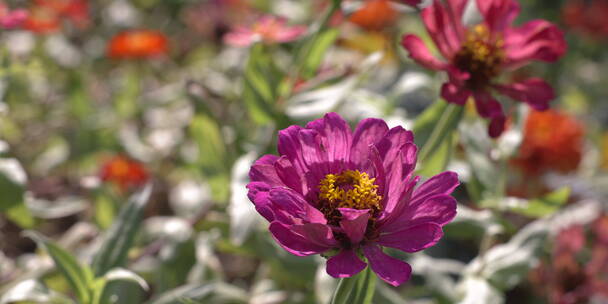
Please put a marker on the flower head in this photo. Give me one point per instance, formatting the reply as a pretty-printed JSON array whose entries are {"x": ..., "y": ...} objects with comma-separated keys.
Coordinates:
[
  {"x": 552, "y": 141},
  {"x": 476, "y": 56},
  {"x": 10, "y": 19},
  {"x": 331, "y": 189},
  {"x": 137, "y": 44},
  {"x": 268, "y": 29},
  {"x": 375, "y": 15},
  {"x": 124, "y": 172}
]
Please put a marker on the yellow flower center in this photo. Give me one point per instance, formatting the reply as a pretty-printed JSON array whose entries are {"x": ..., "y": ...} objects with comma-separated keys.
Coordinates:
[
  {"x": 481, "y": 55},
  {"x": 349, "y": 189}
]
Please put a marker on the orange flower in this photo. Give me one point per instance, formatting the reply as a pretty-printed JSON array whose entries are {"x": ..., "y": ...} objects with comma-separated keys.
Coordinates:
[
  {"x": 375, "y": 15},
  {"x": 552, "y": 141},
  {"x": 137, "y": 44},
  {"x": 123, "y": 172}
]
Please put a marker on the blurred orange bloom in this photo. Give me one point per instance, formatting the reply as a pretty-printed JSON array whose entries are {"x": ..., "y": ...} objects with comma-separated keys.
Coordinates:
[
  {"x": 552, "y": 141},
  {"x": 46, "y": 15},
  {"x": 123, "y": 172},
  {"x": 375, "y": 15},
  {"x": 138, "y": 44}
]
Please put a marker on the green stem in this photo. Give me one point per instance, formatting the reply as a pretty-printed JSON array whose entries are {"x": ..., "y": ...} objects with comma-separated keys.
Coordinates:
[
  {"x": 451, "y": 114},
  {"x": 356, "y": 290}
]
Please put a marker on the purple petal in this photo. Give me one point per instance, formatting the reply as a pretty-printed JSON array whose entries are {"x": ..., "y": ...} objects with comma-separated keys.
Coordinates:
[
  {"x": 289, "y": 175},
  {"x": 391, "y": 144},
  {"x": 318, "y": 234},
  {"x": 289, "y": 145},
  {"x": 258, "y": 194},
  {"x": 368, "y": 132},
  {"x": 293, "y": 203},
  {"x": 413, "y": 239},
  {"x": 535, "y": 92},
  {"x": 345, "y": 264},
  {"x": 454, "y": 93},
  {"x": 354, "y": 223},
  {"x": 334, "y": 138},
  {"x": 263, "y": 170},
  {"x": 439, "y": 210},
  {"x": 391, "y": 270},
  {"x": 443, "y": 183},
  {"x": 293, "y": 242},
  {"x": 420, "y": 53}
]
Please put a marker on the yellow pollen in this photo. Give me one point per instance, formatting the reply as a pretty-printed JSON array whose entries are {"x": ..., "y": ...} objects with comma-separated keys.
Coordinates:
[
  {"x": 481, "y": 55},
  {"x": 350, "y": 189}
]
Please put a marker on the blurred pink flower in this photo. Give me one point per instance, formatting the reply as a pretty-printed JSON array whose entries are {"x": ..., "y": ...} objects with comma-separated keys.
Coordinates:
[
  {"x": 347, "y": 193},
  {"x": 476, "y": 56},
  {"x": 267, "y": 29},
  {"x": 10, "y": 19}
]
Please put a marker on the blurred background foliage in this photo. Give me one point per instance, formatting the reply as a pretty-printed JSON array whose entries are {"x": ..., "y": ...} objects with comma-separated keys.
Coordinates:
[{"x": 127, "y": 128}]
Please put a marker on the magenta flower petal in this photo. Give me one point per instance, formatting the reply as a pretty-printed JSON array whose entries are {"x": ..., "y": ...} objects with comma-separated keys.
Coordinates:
[
  {"x": 420, "y": 53},
  {"x": 535, "y": 92},
  {"x": 391, "y": 270},
  {"x": 444, "y": 32},
  {"x": 439, "y": 209},
  {"x": 293, "y": 242},
  {"x": 368, "y": 132},
  {"x": 317, "y": 234},
  {"x": 413, "y": 239},
  {"x": 487, "y": 106},
  {"x": 443, "y": 183},
  {"x": 535, "y": 40},
  {"x": 335, "y": 129},
  {"x": 290, "y": 203},
  {"x": 263, "y": 171},
  {"x": 354, "y": 223},
  {"x": 454, "y": 93},
  {"x": 345, "y": 264},
  {"x": 498, "y": 14}
]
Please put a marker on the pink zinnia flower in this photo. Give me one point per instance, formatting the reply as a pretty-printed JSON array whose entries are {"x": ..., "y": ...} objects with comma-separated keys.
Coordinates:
[
  {"x": 268, "y": 29},
  {"x": 476, "y": 56},
  {"x": 335, "y": 191},
  {"x": 10, "y": 19}
]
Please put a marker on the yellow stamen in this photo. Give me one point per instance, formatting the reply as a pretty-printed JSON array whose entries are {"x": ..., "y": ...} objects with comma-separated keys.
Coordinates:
[{"x": 350, "y": 189}]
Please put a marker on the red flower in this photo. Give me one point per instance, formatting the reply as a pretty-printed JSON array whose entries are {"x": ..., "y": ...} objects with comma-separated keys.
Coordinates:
[
  {"x": 375, "y": 15},
  {"x": 46, "y": 15},
  {"x": 137, "y": 44},
  {"x": 124, "y": 172},
  {"x": 477, "y": 55},
  {"x": 552, "y": 141}
]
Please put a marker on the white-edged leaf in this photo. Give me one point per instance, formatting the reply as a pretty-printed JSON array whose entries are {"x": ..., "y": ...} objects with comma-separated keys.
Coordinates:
[
  {"x": 32, "y": 291},
  {"x": 121, "y": 274}
]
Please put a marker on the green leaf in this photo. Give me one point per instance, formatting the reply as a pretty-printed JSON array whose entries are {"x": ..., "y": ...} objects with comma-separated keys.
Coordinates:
[
  {"x": 356, "y": 290},
  {"x": 545, "y": 205},
  {"x": 119, "y": 238},
  {"x": 319, "y": 44},
  {"x": 213, "y": 158},
  {"x": 434, "y": 129},
  {"x": 261, "y": 83},
  {"x": 105, "y": 210},
  {"x": 437, "y": 161},
  {"x": 80, "y": 277}
]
